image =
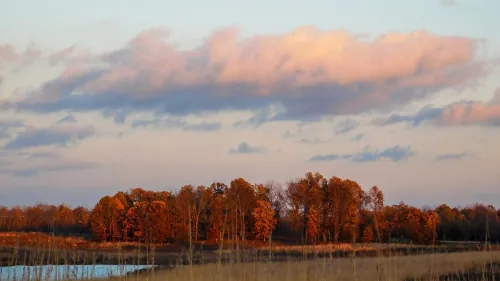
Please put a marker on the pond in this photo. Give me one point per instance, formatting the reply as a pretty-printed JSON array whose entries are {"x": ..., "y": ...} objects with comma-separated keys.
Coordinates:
[{"x": 65, "y": 272}]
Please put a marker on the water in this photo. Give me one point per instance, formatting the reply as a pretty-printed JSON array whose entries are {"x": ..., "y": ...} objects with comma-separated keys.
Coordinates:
[{"x": 65, "y": 272}]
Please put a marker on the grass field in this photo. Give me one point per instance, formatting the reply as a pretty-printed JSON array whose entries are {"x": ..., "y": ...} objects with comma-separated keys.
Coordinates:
[
  {"x": 419, "y": 267},
  {"x": 372, "y": 261}
]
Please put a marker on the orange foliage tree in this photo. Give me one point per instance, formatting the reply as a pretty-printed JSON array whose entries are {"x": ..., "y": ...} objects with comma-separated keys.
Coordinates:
[
  {"x": 310, "y": 207},
  {"x": 265, "y": 220}
]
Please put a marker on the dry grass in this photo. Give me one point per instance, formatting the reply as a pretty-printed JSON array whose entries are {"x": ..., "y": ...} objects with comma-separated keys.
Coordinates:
[
  {"x": 395, "y": 268},
  {"x": 328, "y": 266},
  {"x": 343, "y": 261},
  {"x": 322, "y": 248},
  {"x": 36, "y": 239}
]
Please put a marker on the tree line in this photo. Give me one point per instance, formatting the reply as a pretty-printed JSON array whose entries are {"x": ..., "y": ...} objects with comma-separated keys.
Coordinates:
[{"x": 310, "y": 209}]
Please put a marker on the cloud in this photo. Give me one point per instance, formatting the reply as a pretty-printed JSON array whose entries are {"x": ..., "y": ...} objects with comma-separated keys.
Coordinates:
[
  {"x": 395, "y": 154},
  {"x": 176, "y": 123},
  {"x": 451, "y": 156},
  {"x": 449, "y": 3},
  {"x": 329, "y": 157},
  {"x": 120, "y": 117},
  {"x": 70, "y": 55},
  {"x": 61, "y": 55},
  {"x": 44, "y": 155},
  {"x": 245, "y": 148},
  {"x": 67, "y": 119},
  {"x": 358, "y": 137},
  {"x": 31, "y": 54},
  {"x": 346, "y": 126},
  {"x": 314, "y": 140},
  {"x": 464, "y": 113},
  {"x": 7, "y": 126},
  {"x": 308, "y": 73},
  {"x": 496, "y": 97},
  {"x": 58, "y": 166},
  {"x": 54, "y": 135},
  {"x": 471, "y": 113},
  {"x": 70, "y": 166},
  {"x": 425, "y": 114},
  {"x": 9, "y": 54}
]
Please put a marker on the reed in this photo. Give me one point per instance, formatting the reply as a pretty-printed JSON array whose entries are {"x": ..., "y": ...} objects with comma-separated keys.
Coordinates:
[{"x": 50, "y": 260}]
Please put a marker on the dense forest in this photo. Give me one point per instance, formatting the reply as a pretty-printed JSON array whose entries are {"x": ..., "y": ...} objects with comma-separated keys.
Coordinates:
[{"x": 310, "y": 209}]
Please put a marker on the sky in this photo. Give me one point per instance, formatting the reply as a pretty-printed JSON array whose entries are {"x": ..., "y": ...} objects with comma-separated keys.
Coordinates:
[{"x": 104, "y": 96}]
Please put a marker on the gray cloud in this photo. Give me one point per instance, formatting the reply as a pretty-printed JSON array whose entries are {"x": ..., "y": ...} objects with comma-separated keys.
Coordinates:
[
  {"x": 7, "y": 126},
  {"x": 449, "y": 3},
  {"x": 346, "y": 126},
  {"x": 330, "y": 157},
  {"x": 176, "y": 123},
  {"x": 55, "y": 135},
  {"x": 358, "y": 137},
  {"x": 11, "y": 123},
  {"x": 451, "y": 156},
  {"x": 314, "y": 140},
  {"x": 496, "y": 96},
  {"x": 67, "y": 119},
  {"x": 288, "y": 134},
  {"x": 120, "y": 117},
  {"x": 150, "y": 74},
  {"x": 463, "y": 113},
  {"x": 58, "y": 166},
  {"x": 395, "y": 154},
  {"x": 425, "y": 114},
  {"x": 245, "y": 148},
  {"x": 43, "y": 155}
]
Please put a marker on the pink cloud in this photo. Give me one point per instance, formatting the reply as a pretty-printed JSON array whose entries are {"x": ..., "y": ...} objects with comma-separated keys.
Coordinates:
[
  {"x": 304, "y": 57},
  {"x": 496, "y": 97},
  {"x": 8, "y": 53},
  {"x": 61, "y": 55},
  {"x": 474, "y": 113},
  {"x": 465, "y": 113},
  {"x": 471, "y": 114},
  {"x": 31, "y": 54},
  {"x": 311, "y": 56},
  {"x": 71, "y": 56},
  {"x": 309, "y": 71}
]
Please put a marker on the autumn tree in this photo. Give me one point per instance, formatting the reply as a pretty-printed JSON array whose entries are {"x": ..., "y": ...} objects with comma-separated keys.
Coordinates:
[
  {"x": 240, "y": 198},
  {"x": 433, "y": 220},
  {"x": 265, "y": 220},
  {"x": 376, "y": 204},
  {"x": 217, "y": 211},
  {"x": 186, "y": 206},
  {"x": 137, "y": 222},
  {"x": 303, "y": 195},
  {"x": 106, "y": 219},
  {"x": 368, "y": 235},
  {"x": 82, "y": 219},
  {"x": 203, "y": 195},
  {"x": 333, "y": 211},
  {"x": 277, "y": 198},
  {"x": 311, "y": 207},
  {"x": 159, "y": 220},
  {"x": 312, "y": 225}
]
